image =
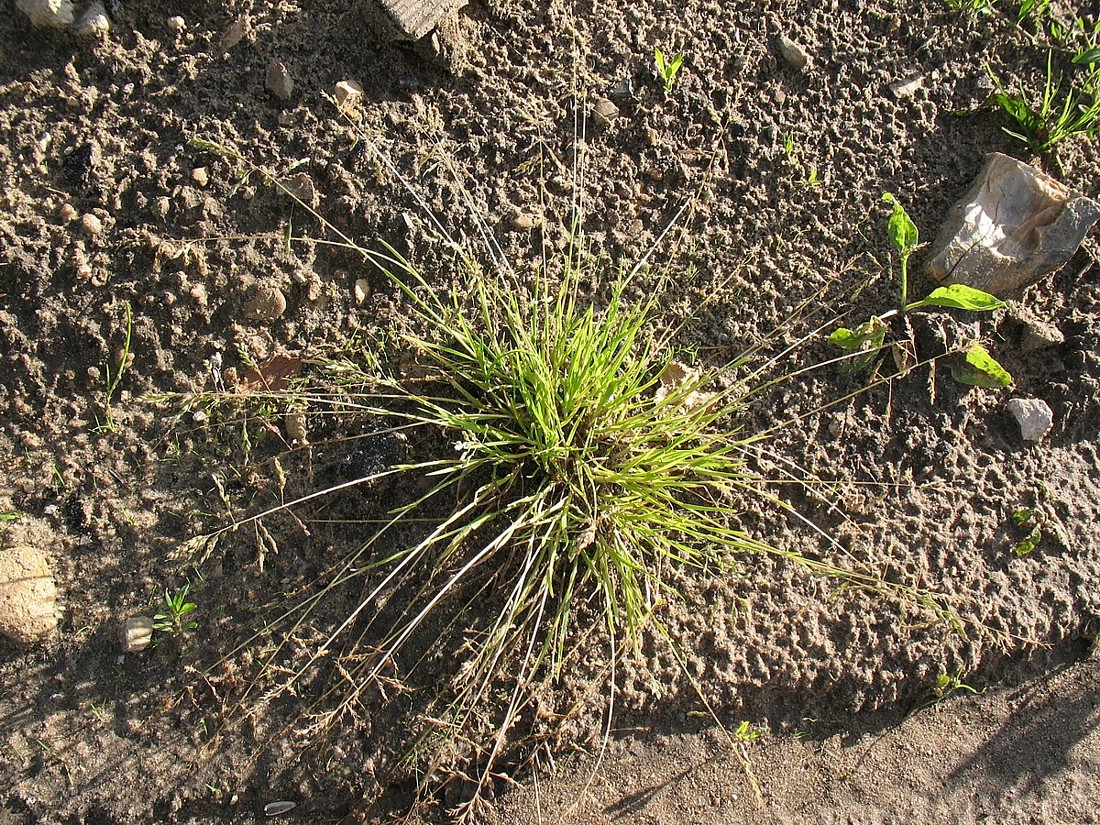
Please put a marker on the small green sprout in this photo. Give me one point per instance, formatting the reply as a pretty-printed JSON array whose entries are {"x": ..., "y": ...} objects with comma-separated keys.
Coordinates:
[
  {"x": 1039, "y": 527},
  {"x": 114, "y": 377},
  {"x": 947, "y": 685},
  {"x": 176, "y": 608},
  {"x": 812, "y": 178},
  {"x": 974, "y": 7},
  {"x": 905, "y": 238},
  {"x": 745, "y": 732},
  {"x": 667, "y": 69}
]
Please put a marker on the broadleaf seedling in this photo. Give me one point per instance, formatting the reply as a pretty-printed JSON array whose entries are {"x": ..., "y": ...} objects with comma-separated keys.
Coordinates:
[
  {"x": 976, "y": 366},
  {"x": 1039, "y": 527},
  {"x": 173, "y": 617}
]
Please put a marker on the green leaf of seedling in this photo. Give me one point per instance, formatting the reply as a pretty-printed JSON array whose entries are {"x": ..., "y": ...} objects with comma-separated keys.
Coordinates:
[
  {"x": 1088, "y": 56},
  {"x": 846, "y": 339},
  {"x": 901, "y": 229},
  {"x": 959, "y": 296},
  {"x": 980, "y": 369},
  {"x": 868, "y": 335},
  {"x": 1022, "y": 516},
  {"x": 1028, "y": 544},
  {"x": 668, "y": 68}
]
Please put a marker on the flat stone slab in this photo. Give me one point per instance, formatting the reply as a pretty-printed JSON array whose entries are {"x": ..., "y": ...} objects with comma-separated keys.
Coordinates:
[{"x": 408, "y": 19}]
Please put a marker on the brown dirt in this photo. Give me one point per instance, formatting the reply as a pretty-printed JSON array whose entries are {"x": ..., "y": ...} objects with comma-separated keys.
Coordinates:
[{"x": 102, "y": 129}]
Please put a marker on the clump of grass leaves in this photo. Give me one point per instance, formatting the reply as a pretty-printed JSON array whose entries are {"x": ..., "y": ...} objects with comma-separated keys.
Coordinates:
[{"x": 583, "y": 464}]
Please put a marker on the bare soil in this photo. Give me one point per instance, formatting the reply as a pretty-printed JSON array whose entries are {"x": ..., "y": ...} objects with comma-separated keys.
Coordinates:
[{"x": 106, "y": 204}]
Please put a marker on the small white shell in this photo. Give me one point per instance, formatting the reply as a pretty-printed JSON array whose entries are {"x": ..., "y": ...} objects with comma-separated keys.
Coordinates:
[{"x": 276, "y": 808}]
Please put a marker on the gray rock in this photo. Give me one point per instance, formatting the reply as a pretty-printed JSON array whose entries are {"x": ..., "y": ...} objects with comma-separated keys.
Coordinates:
[
  {"x": 28, "y": 596},
  {"x": 54, "y": 13},
  {"x": 1033, "y": 415},
  {"x": 604, "y": 111},
  {"x": 902, "y": 89},
  {"x": 265, "y": 304},
  {"x": 793, "y": 54},
  {"x": 94, "y": 22},
  {"x": 279, "y": 81},
  {"x": 1038, "y": 335},
  {"x": 407, "y": 20},
  {"x": 1015, "y": 226}
]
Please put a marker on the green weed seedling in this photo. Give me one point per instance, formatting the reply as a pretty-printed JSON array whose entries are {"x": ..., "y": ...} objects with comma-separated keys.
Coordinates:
[
  {"x": 972, "y": 7},
  {"x": 1056, "y": 115},
  {"x": 1038, "y": 526},
  {"x": 976, "y": 367},
  {"x": 668, "y": 68},
  {"x": 114, "y": 378},
  {"x": 173, "y": 618},
  {"x": 811, "y": 178},
  {"x": 947, "y": 685},
  {"x": 745, "y": 732}
]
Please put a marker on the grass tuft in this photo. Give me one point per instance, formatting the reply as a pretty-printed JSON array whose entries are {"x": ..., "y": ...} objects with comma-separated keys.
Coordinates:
[{"x": 577, "y": 465}]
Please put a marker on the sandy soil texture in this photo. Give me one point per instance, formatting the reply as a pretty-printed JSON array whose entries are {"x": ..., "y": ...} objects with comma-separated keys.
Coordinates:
[{"x": 109, "y": 205}]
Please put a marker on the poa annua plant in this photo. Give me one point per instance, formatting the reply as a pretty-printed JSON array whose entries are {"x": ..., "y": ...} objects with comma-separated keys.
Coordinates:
[
  {"x": 1055, "y": 115},
  {"x": 866, "y": 342},
  {"x": 579, "y": 464}
]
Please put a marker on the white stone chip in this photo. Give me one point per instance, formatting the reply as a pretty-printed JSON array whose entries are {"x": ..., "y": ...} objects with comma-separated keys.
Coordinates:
[{"x": 1033, "y": 415}]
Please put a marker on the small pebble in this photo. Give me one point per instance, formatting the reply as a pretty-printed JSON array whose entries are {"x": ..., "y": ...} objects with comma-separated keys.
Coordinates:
[
  {"x": 200, "y": 175},
  {"x": 361, "y": 291},
  {"x": 176, "y": 24},
  {"x": 604, "y": 111},
  {"x": 266, "y": 304},
  {"x": 234, "y": 33},
  {"x": 902, "y": 89},
  {"x": 92, "y": 224},
  {"x": 301, "y": 187},
  {"x": 66, "y": 212},
  {"x": 94, "y": 22},
  {"x": 348, "y": 94},
  {"x": 136, "y": 634},
  {"x": 793, "y": 54},
  {"x": 1039, "y": 336},
  {"x": 296, "y": 431},
  {"x": 279, "y": 82},
  {"x": 1034, "y": 417},
  {"x": 55, "y": 13}
]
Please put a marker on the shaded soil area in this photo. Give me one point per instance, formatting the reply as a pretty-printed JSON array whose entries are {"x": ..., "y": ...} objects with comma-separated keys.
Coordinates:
[{"x": 116, "y": 227}]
